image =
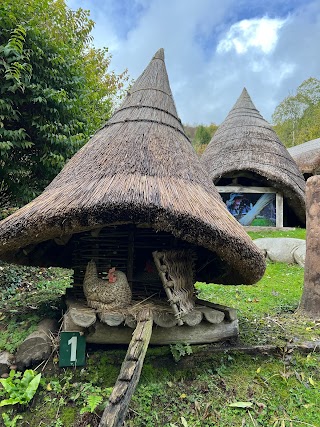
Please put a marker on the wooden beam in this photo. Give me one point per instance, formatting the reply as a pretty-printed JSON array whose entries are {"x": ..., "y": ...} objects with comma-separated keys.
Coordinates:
[
  {"x": 241, "y": 189},
  {"x": 279, "y": 210},
  {"x": 130, "y": 258}
]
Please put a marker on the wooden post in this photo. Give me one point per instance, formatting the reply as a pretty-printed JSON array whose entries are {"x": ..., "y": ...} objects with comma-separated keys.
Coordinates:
[
  {"x": 279, "y": 210},
  {"x": 130, "y": 256},
  {"x": 310, "y": 302}
]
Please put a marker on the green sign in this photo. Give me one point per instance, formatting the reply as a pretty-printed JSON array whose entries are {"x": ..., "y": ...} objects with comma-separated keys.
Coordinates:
[{"x": 72, "y": 349}]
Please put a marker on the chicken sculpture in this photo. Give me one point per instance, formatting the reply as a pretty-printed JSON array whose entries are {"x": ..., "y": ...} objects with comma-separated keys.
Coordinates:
[{"x": 108, "y": 294}]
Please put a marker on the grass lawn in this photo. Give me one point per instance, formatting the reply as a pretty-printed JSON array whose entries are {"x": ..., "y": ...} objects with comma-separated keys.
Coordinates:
[{"x": 220, "y": 389}]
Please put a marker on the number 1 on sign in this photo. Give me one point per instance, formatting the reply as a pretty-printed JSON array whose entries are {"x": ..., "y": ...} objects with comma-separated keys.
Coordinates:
[{"x": 73, "y": 342}]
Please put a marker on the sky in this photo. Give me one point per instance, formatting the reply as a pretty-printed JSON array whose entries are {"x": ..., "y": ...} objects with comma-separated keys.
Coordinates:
[{"x": 213, "y": 48}]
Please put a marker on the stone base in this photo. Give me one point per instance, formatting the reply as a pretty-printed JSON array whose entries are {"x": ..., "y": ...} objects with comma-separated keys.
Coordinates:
[{"x": 203, "y": 333}]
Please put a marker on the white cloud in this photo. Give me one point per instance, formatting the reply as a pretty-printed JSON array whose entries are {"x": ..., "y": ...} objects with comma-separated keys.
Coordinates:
[
  {"x": 261, "y": 34},
  {"x": 270, "y": 57}
]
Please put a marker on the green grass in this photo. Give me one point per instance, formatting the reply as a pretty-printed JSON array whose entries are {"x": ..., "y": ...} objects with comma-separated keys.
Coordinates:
[
  {"x": 283, "y": 391},
  {"x": 267, "y": 311},
  {"x": 298, "y": 233}
]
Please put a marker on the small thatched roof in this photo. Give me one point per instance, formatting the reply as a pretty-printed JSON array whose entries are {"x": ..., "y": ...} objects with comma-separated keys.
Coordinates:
[
  {"x": 307, "y": 156},
  {"x": 245, "y": 141},
  {"x": 139, "y": 168}
]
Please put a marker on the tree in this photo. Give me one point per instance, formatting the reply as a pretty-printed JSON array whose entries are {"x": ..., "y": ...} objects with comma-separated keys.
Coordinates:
[
  {"x": 200, "y": 136},
  {"x": 294, "y": 115},
  {"x": 56, "y": 90}
]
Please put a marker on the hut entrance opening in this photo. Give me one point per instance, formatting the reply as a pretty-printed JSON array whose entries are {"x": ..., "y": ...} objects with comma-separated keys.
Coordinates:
[
  {"x": 128, "y": 248},
  {"x": 250, "y": 199}
]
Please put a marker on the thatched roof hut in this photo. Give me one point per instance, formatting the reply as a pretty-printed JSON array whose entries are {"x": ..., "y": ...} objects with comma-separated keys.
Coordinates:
[
  {"x": 137, "y": 175},
  {"x": 246, "y": 150},
  {"x": 307, "y": 157}
]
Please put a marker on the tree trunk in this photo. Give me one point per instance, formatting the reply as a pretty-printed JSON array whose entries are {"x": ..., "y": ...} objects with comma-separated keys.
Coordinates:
[{"x": 310, "y": 302}]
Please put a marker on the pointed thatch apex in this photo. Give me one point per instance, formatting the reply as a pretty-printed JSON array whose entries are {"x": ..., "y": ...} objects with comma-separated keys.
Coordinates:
[
  {"x": 244, "y": 102},
  {"x": 141, "y": 169},
  {"x": 246, "y": 142},
  {"x": 159, "y": 54}
]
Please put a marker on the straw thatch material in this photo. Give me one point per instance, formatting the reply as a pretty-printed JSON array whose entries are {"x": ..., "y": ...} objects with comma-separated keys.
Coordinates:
[
  {"x": 245, "y": 141},
  {"x": 139, "y": 168},
  {"x": 307, "y": 156}
]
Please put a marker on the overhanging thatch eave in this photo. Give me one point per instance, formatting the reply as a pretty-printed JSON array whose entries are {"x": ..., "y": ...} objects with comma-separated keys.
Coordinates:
[{"x": 196, "y": 222}]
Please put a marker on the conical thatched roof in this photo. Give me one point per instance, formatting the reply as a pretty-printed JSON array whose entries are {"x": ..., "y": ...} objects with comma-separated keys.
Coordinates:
[
  {"x": 245, "y": 141},
  {"x": 139, "y": 168},
  {"x": 307, "y": 156}
]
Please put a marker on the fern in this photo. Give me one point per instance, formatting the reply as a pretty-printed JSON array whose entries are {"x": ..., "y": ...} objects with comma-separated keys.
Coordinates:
[{"x": 93, "y": 401}]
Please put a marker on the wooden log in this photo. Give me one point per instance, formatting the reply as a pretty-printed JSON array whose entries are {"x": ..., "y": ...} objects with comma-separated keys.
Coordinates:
[
  {"x": 211, "y": 315},
  {"x": 111, "y": 319},
  {"x": 164, "y": 319},
  {"x": 167, "y": 287},
  {"x": 264, "y": 349},
  {"x": 68, "y": 324},
  {"x": 37, "y": 346},
  {"x": 116, "y": 410},
  {"x": 230, "y": 313},
  {"x": 193, "y": 318},
  {"x": 84, "y": 317}
]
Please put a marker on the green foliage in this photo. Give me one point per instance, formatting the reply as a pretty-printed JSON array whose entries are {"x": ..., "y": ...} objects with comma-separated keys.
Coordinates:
[
  {"x": 179, "y": 350},
  {"x": 8, "y": 422},
  {"x": 200, "y": 136},
  {"x": 93, "y": 401},
  {"x": 298, "y": 233},
  {"x": 296, "y": 118},
  {"x": 56, "y": 90},
  {"x": 20, "y": 389},
  {"x": 28, "y": 294},
  {"x": 15, "y": 329}
]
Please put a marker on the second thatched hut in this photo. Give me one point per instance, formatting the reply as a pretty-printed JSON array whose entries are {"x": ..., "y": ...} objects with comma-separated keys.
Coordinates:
[
  {"x": 307, "y": 157},
  {"x": 253, "y": 171}
]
